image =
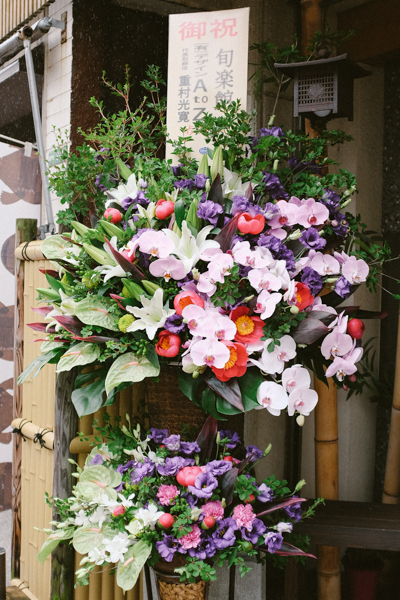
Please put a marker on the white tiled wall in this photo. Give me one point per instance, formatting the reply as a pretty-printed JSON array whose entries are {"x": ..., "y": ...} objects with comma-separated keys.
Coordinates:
[{"x": 57, "y": 82}]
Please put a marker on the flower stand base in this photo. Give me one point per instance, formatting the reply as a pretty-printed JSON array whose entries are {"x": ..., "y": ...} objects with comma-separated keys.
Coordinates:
[{"x": 170, "y": 588}]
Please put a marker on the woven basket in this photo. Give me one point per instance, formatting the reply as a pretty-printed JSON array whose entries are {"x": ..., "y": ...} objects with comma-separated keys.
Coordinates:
[
  {"x": 169, "y": 409},
  {"x": 170, "y": 588}
]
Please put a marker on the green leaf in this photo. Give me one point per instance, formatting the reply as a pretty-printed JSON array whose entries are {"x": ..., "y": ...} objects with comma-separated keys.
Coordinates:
[
  {"x": 129, "y": 367},
  {"x": 96, "y": 474},
  {"x": 89, "y": 398},
  {"x": 55, "y": 247},
  {"x": 249, "y": 384},
  {"x": 190, "y": 387},
  {"x": 152, "y": 356},
  {"x": 225, "y": 408},
  {"x": 179, "y": 212},
  {"x": 34, "y": 368},
  {"x": 83, "y": 353},
  {"x": 124, "y": 171},
  {"x": 96, "y": 312},
  {"x": 129, "y": 569},
  {"x": 54, "y": 283},
  {"x": 208, "y": 403}
]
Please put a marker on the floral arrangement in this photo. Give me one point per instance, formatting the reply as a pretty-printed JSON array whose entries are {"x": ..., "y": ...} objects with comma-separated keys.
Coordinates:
[
  {"x": 146, "y": 499},
  {"x": 233, "y": 268}
]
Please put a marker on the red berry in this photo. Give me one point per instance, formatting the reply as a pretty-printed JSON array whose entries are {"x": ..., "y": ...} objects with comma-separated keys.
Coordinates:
[
  {"x": 355, "y": 328},
  {"x": 352, "y": 378},
  {"x": 208, "y": 522},
  {"x": 115, "y": 215},
  {"x": 166, "y": 520},
  {"x": 118, "y": 510},
  {"x": 228, "y": 458},
  {"x": 251, "y": 499}
]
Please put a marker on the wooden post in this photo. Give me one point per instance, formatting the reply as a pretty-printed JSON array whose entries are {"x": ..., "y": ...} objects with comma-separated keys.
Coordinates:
[
  {"x": 391, "y": 487},
  {"x": 65, "y": 429},
  {"x": 327, "y": 481},
  {"x": 25, "y": 231}
]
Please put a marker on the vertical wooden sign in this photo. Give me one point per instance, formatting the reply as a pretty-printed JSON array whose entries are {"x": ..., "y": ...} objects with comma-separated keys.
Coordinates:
[{"x": 207, "y": 63}]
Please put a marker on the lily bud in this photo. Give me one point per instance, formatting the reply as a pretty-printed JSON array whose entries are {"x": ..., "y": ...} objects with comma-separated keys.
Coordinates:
[
  {"x": 203, "y": 166},
  {"x": 195, "y": 274},
  {"x": 195, "y": 374},
  {"x": 218, "y": 438},
  {"x": 300, "y": 485},
  {"x": 80, "y": 228},
  {"x": 275, "y": 165},
  {"x": 295, "y": 235},
  {"x": 99, "y": 255},
  {"x": 217, "y": 165},
  {"x": 300, "y": 420},
  {"x": 150, "y": 287},
  {"x": 223, "y": 502},
  {"x": 267, "y": 449},
  {"x": 208, "y": 185},
  {"x": 331, "y": 280}
]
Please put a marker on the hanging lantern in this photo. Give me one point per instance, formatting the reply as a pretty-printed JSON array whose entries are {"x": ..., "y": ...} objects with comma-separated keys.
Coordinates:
[{"x": 324, "y": 87}]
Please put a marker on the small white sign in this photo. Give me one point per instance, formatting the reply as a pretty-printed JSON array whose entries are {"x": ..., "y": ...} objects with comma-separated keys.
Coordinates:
[{"x": 207, "y": 63}]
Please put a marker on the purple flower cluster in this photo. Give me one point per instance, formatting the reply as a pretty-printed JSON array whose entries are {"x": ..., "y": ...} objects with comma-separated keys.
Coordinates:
[
  {"x": 313, "y": 280},
  {"x": 278, "y": 250},
  {"x": 311, "y": 239},
  {"x": 209, "y": 211}
]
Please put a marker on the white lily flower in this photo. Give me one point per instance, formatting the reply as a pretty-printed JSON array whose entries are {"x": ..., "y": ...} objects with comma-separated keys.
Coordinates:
[
  {"x": 117, "y": 547},
  {"x": 124, "y": 190},
  {"x": 172, "y": 197},
  {"x": 188, "y": 247},
  {"x": 111, "y": 271},
  {"x": 100, "y": 515},
  {"x": 147, "y": 517},
  {"x": 152, "y": 316},
  {"x": 147, "y": 213},
  {"x": 67, "y": 307},
  {"x": 233, "y": 185}
]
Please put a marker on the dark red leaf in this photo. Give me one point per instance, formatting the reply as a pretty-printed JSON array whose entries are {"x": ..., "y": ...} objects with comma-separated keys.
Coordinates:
[
  {"x": 41, "y": 327},
  {"x": 50, "y": 272},
  {"x": 322, "y": 315},
  {"x": 71, "y": 324},
  {"x": 309, "y": 330},
  {"x": 287, "y": 550},
  {"x": 227, "y": 484},
  {"x": 215, "y": 194},
  {"x": 42, "y": 310},
  {"x": 227, "y": 233},
  {"x": 365, "y": 314},
  {"x": 126, "y": 265},
  {"x": 229, "y": 390},
  {"x": 249, "y": 193},
  {"x": 280, "y": 505},
  {"x": 68, "y": 239},
  {"x": 95, "y": 339},
  {"x": 206, "y": 438},
  {"x": 117, "y": 300}
]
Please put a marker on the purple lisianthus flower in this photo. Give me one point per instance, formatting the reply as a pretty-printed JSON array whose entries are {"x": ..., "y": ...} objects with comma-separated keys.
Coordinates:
[
  {"x": 298, "y": 166},
  {"x": 275, "y": 131},
  {"x": 204, "y": 485},
  {"x": 173, "y": 442},
  {"x": 278, "y": 250},
  {"x": 294, "y": 511},
  {"x": 343, "y": 287},
  {"x": 138, "y": 198},
  {"x": 184, "y": 183},
  {"x": 313, "y": 280},
  {"x": 173, "y": 465},
  {"x": 270, "y": 211},
  {"x": 158, "y": 434},
  {"x": 97, "y": 460},
  {"x": 177, "y": 170},
  {"x": 339, "y": 224},
  {"x": 240, "y": 204},
  {"x": 124, "y": 468},
  {"x": 174, "y": 323},
  {"x": 189, "y": 447},
  {"x": 209, "y": 211},
  {"x": 218, "y": 467},
  {"x": 266, "y": 494},
  {"x": 200, "y": 181},
  {"x": 99, "y": 185},
  {"x": 273, "y": 541},
  {"x": 273, "y": 186},
  {"x": 206, "y": 548},
  {"x": 224, "y": 536},
  {"x": 168, "y": 546},
  {"x": 311, "y": 239},
  {"x": 257, "y": 528},
  {"x": 141, "y": 470},
  {"x": 331, "y": 200},
  {"x": 254, "y": 453},
  {"x": 190, "y": 499},
  {"x": 234, "y": 439}
]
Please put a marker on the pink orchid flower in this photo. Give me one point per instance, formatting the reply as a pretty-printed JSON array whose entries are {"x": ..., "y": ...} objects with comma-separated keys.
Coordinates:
[
  {"x": 336, "y": 344},
  {"x": 272, "y": 396},
  {"x": 156, "y": 244},
  {"x": 312, "y": 213},
  {"x": 220, "y": 266},
  {"x": 247, "y": 257},
  {"x": 325, "y": 264},
  {"x": 266, "y": 304},
  {"x": 194, "y": 316},
  {"x": 263, "y": 279},
  {"x": 206, "y": 284},
  {"x": 295, "y": 377},
  {"x": 210, "y": 353},
  {"x": 168, "y": 268},
  {"x": 355, "y": 271},
  {"x": 286, "y": 217},
  {"x": 220, "y": 327},
  {"x": 274, "y": 362},
  {"x": 303, "y": 400}
]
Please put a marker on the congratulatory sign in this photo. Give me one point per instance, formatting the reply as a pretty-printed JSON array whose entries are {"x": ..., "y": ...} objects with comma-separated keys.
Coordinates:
[{"x": 207, "y": 63}]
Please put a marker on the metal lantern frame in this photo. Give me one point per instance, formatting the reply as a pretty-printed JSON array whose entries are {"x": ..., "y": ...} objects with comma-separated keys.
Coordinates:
[{"x": 323, "y": 85}]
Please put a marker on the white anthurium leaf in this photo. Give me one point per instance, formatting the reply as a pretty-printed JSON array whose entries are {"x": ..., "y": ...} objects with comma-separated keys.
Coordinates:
[
  {"x": 52, "y": 542},
  {"x": 47, "y": 346},
  {"x": 87, "y": 538},
  {"x": 129, "y": 367},
  {"x": 116, "y": 479},
  {"x": 56, "y": 247},
  {"x": 88, "y": 491},
  {"x": 96, "y": 474},
  {"x": 83, "y": 353},
  {"x": 129, "y": 569},
  {"x": 96, "y": 312}
]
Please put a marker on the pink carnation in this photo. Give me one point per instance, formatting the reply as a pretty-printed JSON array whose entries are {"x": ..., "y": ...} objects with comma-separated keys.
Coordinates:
[
  {"x": 166, "y": 493},
  {"x": 213, "y": 509},
  {"x": 192, "y": 539},
  {"x": 244, "y": 516}
]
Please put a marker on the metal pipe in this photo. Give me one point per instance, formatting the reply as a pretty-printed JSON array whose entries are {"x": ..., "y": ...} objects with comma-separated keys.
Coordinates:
[
  {"x": 2, "y": 574},
  {"x": 38, "y": 131},
  {"x": 14, "y": 44}
]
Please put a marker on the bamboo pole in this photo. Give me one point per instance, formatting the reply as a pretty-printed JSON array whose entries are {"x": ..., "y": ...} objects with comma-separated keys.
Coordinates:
[
  {"x": 391, "y": 487},
  {"x": 30, "y": 430},
  {"x": 25, "y": 231}
]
